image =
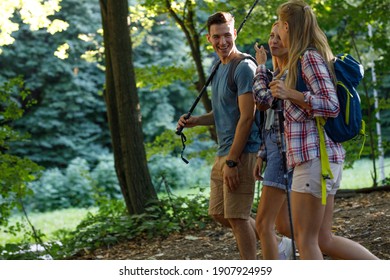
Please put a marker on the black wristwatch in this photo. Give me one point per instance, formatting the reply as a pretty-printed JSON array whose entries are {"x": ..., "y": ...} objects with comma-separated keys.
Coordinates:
[{"x": 231, "y": 163}]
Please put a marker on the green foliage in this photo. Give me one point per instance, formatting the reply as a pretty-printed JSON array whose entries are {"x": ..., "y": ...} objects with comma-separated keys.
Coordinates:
[
  {"x": 198, "y": 144},
  {"x": 353, "y": 151},
  {"x": 17, "y": 252},
  {"x": 56, "y": 190},
  {"x": 80, "y": 185},
  {"x": 15, "y": 171},
  {"x": 112, "y": 224},
  {"x": 70, "y": 119},
  {"x": 105, "y": 181},
  {"x": 76, "y": 186},
  {"x": 166, "y": 166},
  {"x": 52, "y": 224},
  {"x": 165, "y": 89},
  {"x": 361, "y": 174},
  {"x": 164, "y": 144},
  {"x": 173, "y": 172}
]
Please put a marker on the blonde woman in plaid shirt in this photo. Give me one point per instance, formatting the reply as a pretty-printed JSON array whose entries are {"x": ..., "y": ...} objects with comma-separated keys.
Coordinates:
[
  {"x": 299, "y": 30},
  {"x": 272, "y": 205}
]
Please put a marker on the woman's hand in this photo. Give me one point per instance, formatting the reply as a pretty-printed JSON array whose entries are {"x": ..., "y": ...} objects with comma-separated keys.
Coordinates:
[
  {"x": 258, "y": 169},
  {"x": 261, "y": 54},
  {"x": 279, "y": 89}
]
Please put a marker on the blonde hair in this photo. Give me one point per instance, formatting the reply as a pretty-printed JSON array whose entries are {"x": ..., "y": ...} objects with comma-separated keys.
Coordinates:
[{"x": 304, "y": 32}]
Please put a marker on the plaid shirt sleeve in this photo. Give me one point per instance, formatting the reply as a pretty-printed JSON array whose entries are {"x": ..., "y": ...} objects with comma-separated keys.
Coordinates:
[
  {"x": 322, "y": 92},
  {"x": 261, "y": 92}
]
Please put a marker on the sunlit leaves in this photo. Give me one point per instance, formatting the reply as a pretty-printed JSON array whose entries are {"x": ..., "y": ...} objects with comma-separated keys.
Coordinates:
[
  {"x": 62, "y": 51},
  {"x": 141, "y": 22},
  {"x": 57, "y": 26},
  {"x": 157, "y": 77},
  {"x": 35, "y": 13}
]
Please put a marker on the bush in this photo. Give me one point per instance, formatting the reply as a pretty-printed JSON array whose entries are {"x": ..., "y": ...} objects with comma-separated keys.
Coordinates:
[
  {"x": 112, "y": 224},
  {"x": 81, "y": 186},
  {"x": 57, "y": 189},
  {"x": 49, "y": 192},
  {"x": 76, "y": 186},
  {"x": 105, "y": 179},
  {"x": 174, "y": 172}
]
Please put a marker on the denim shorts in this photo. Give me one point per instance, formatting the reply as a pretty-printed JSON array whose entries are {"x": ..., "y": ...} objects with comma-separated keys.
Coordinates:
[{"x": 274, "y": 170}]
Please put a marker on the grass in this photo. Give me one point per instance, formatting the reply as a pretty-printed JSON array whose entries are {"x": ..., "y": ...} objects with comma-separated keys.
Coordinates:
[
  {"x": 359, "y": 176},
  {"x": 48, "y": 223}
]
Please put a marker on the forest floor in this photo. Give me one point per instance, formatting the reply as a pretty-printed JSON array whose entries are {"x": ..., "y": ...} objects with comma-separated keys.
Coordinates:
[{"x": 362, "y": 217}]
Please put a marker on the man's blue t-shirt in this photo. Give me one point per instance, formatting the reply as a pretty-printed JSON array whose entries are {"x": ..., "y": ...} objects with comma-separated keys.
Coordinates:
[{"x": 225, "y": 106}]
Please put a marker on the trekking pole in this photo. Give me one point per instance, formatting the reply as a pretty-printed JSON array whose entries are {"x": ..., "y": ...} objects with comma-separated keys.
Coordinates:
[
  {"x": 285, "y": 171},
  {"x": 208, "y": 81}
]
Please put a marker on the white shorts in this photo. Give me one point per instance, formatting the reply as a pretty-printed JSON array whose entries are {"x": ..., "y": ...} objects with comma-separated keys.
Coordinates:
[{"x": 307, "y": 178}]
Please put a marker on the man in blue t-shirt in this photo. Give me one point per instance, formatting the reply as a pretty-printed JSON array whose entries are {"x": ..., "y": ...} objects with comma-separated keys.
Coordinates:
[{"x": 232, "y": 183}]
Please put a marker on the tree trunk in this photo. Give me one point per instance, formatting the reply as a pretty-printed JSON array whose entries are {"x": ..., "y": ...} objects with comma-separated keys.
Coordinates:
[{"x": 123, "y": 108}]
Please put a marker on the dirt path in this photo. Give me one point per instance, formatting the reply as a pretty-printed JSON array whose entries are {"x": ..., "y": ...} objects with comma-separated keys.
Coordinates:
[{"x": 364, "y": 218}]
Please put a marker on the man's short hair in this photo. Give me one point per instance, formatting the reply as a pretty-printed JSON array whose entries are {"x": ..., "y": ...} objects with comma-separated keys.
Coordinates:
[{"x": 219, "y": 18}]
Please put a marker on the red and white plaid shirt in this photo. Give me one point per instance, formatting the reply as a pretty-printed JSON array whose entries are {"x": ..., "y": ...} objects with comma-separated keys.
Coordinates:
[{"x": 302, "y": 139}]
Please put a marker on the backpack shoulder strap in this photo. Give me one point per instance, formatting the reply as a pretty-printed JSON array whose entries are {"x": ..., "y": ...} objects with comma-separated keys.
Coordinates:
[{"x": 233, "y": 65}]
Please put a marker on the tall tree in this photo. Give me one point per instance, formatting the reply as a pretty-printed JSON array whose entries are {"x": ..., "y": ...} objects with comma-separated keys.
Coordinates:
[{"x": 123, "y": 108}]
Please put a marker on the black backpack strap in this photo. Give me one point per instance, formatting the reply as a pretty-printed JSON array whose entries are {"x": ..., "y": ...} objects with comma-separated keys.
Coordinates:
[
  {"x": 233, "y": 65},
  {"x": 300, "y": 84},
  {"x": 262, "y": 120}
]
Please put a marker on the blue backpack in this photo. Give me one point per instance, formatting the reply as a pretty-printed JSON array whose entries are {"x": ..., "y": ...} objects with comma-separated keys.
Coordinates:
[{"x": 349, "y": 123}]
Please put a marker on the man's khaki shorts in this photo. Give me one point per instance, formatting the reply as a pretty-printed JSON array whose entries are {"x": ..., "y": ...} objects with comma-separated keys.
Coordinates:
[{"x": 236, "y": 204}]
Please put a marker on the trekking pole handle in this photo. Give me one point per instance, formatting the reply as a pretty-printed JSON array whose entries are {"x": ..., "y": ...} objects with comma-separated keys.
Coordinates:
[
  {"x": 180, "y": 128},
  {"x": 215, "y": 67}
]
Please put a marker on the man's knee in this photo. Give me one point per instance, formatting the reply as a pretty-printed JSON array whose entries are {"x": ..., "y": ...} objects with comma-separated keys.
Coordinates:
[
  {"x": 221, "y": 220},
  {"x": 238, "y": 223}
]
